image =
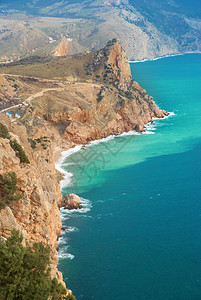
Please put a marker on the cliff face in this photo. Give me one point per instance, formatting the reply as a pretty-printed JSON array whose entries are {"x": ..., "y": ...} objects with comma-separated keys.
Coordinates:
[
  {"x": 103, "y": 100},
  {"x": 36, "y": 215},
  {"x": 121, "y": 104}
]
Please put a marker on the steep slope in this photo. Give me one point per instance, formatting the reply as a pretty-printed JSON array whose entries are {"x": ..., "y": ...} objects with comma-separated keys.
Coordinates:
[
  {"x": 36, "y": 215},
  {"x": 96, "y": 97}
]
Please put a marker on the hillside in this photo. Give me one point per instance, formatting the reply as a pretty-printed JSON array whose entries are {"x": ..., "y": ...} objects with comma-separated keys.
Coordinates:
[
  {"x": 146, "y": 29},
  {"x": 85, "y": 97},
  {"x": 59, "y": 103}
]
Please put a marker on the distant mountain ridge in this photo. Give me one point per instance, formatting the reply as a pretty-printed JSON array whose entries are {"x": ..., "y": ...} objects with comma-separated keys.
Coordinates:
[{"x": 147, "y": 29}]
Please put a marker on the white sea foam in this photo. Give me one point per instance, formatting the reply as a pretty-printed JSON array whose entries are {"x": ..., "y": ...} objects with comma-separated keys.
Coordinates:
[
  {"x": 132, "y": 132},
  {"x": 69, "y": 229},
  {"x": 161, "y": 57},
  {"x": 72, "y": 229},
  {"x": 60, "y": 240},
  {"x": 86, "y": 207},
  {"x": 67, "y": 175},
  {"x": 65, "y": 255},
  {"x": 96, "y": 142},
  {"x": 169, "y": 115}
]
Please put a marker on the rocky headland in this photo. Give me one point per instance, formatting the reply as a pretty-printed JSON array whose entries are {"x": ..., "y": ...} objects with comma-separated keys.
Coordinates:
[{"x": 100, "y": 98}]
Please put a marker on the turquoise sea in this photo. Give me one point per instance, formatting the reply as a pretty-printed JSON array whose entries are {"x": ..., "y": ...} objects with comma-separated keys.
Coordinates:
[{"x": 139, "y": 233}]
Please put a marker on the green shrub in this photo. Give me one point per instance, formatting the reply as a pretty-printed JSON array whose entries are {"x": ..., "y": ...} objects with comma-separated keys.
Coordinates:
[
  {"x": 112, "y": 42},
  {"x": 4, "y": 133},
  {"x": 99, "y": 98},
  {"x": 19, "y": 151},
  {"x": 25, "y": 272},
  {"x": 8, "y": 189},
  {"x": 32, "y": 143}
]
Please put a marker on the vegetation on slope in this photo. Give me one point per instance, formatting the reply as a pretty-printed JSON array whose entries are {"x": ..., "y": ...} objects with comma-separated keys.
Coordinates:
[
  {"x": 25, "y": 272},
  {"x": 4, "y": 133},
  {"x": 19, "y": 151},
  {"x": 8, "y": 189}
]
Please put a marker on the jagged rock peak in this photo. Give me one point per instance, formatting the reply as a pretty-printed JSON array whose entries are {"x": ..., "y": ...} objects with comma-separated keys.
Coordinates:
[
  {"x": 118, "y": 61},
  {"x": 112, "y": 64}
]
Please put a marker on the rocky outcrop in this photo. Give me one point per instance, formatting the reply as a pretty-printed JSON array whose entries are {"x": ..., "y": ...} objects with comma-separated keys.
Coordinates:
[
  {"x": 71, "y": 201},
  {"x": 64, "y": 48},
  {"x": 108, "y": 102},
  {"x": 123, "y": 108}
]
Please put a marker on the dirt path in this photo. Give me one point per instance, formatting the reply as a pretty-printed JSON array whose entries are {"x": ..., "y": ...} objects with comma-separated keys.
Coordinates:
[
  {"x": 30, "y": 98},
  {"x": 62, "y": 83}
]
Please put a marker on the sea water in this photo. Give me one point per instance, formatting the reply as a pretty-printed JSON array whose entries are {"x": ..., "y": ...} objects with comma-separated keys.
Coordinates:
[{"x": 138, "y": 235}]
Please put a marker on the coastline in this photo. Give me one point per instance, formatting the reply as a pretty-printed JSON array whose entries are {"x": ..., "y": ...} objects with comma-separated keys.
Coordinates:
[
  {"x": 64, "y": 153},
  {"x": 65, "y": 150},
  {"x": 162, "y": 202},
  {"x": 161, "y": 57},
  {"x": 150, "y": 127}
]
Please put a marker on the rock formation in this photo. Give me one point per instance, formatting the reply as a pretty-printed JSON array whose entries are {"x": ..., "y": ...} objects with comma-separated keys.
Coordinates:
[
  {"x": 36, "y": 215},
  {"x": 104, "y": 100},
  {"x": 64, "y": 48},
  {"x": 71, "y": 201},
  {"x": 123, "y": 108}
]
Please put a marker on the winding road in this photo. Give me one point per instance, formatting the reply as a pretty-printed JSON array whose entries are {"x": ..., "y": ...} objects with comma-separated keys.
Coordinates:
[
  {"x": 30, "y": 98},
  {"x": 39, "y": 94}
]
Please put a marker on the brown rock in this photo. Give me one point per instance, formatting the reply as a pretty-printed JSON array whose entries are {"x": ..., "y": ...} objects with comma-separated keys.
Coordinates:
[
  {"x": 64, "y": 48},
  {"x": 71, "y": 201}
]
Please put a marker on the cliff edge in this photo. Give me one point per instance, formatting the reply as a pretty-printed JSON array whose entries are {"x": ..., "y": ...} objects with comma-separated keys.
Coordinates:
[
  {"x": 36, "y": 215},
  {"x": 67, "y": 101}
]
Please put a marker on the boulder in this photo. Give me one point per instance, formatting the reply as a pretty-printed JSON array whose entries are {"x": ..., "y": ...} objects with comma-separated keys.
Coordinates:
[{"x": 71, "y": 201}]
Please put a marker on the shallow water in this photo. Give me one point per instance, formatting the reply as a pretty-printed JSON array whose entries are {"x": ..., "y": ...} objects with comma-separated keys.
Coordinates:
[{"x": 138, "y": 235}]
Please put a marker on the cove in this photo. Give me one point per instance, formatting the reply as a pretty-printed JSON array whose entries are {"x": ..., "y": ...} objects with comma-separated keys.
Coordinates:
[{"x": 138, "y": 235}]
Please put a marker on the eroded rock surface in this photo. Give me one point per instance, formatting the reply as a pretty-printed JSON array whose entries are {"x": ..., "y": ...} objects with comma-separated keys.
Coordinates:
[{"x": 71, "y": 201}]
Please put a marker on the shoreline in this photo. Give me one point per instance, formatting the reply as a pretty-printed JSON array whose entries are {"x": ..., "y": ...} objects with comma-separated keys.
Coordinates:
[
  {"x": 63, "y": 153},
  {"x": 66, "y": 152},
  {"x": 161, "y": 57}
]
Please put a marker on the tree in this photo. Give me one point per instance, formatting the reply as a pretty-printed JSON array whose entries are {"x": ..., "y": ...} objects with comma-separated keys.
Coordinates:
[
  {"x": 25, "y": 272},
  {"x": 4, "y": 133},
  {"x": 8, "y": 189},
  {"x": 19, "y": 151}
]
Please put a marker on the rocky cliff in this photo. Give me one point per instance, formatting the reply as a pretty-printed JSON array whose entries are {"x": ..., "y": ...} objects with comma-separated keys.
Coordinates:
[
  {"x": 103, "y": 100},
  {"x": 121, "y": 104},
  {"x": 36, "y": 215}
]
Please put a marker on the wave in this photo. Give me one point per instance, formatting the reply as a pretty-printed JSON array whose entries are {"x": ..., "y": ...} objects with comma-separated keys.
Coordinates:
[
  {"x": 169, "y": 115},
  {"x": 62, "y": 255},
  {"x": 63, "y": 251},
  {"x": 59, "y": 166},
  {"x": 70, "y": 229},
  {"x": 96, "y": 142},
  {"x": 86, "y": 207},
  {"x": 161, "y": 57}
]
